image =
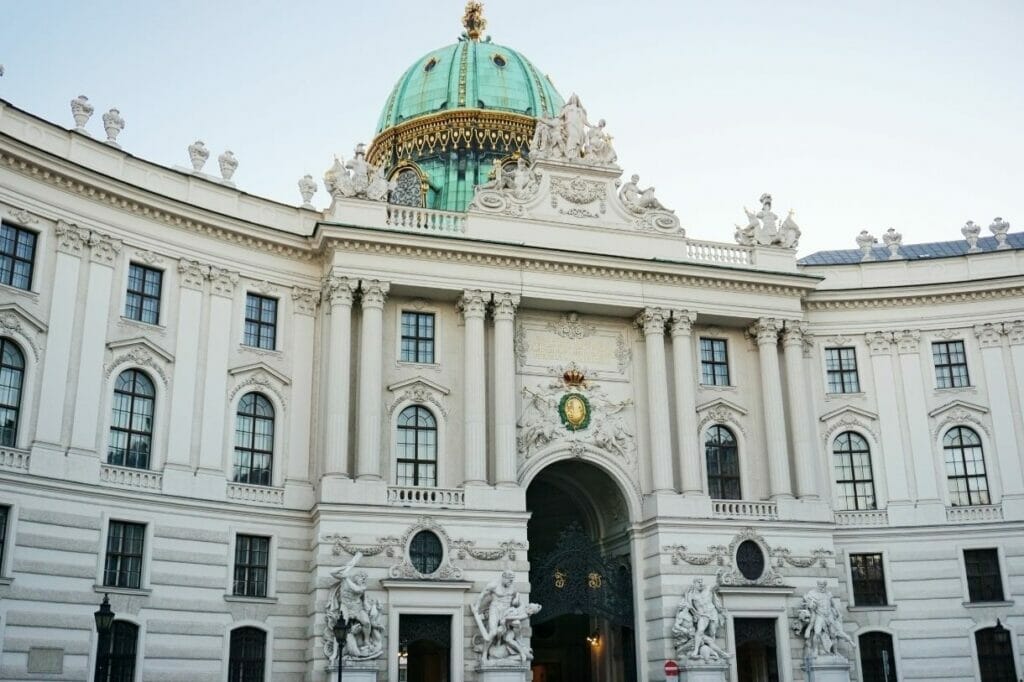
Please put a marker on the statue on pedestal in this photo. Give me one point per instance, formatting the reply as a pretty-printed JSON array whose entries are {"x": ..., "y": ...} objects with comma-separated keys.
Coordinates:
[
  {"x": 820, "y": 623},
  {"x": 700, "y": 616},
  {"x": 500, "y": 614},
  {"x": 348, "y": 603},
  {"x": 569, "y": 136},
  {"x": 358, "y": 179},
  {"x": 762, "y": 228}
]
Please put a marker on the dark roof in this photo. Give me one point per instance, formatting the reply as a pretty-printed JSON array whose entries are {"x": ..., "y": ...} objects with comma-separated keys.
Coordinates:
[{"x": 911, "y": 251}]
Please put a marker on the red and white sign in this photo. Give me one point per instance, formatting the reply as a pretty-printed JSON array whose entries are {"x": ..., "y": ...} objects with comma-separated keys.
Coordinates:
[{"x": 671, "y": 670}]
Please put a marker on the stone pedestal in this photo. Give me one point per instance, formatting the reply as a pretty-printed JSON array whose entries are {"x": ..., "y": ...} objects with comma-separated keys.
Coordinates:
[
  {"x": 701, "y": 671},
  {"x": 354, "y": 671},
  {"x": 827, "y": 669},
  {"x": 502, "y": 673}
]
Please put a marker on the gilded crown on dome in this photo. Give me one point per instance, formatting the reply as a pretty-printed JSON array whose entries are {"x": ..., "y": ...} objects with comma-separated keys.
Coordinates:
[{"x": 473, "y": 20}]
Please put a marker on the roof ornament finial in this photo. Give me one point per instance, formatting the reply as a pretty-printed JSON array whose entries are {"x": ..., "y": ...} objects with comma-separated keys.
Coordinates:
[{"x": 473, "y": 20}]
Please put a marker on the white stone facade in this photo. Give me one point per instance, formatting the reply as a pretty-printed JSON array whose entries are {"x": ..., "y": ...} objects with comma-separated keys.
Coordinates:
[{"x": 518, "y": 295}]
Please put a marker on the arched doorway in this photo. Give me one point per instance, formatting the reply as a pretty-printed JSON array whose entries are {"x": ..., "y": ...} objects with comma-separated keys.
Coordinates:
[{"x": 580, "y": 572}]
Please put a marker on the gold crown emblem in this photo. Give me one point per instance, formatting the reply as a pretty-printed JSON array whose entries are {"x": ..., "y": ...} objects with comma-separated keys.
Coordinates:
[{"x": 573, "y": 377}]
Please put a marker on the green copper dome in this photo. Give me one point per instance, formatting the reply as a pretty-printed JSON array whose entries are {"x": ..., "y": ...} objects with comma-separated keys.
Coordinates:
[{"x": 470, "y": 75}]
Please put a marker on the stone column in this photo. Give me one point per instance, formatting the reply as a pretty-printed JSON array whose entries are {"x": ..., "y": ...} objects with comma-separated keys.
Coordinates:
[
  {"x": 473, "y": 305},
  {"x": 898, "y": 469},
  {"x": 652, "y": 321},
  {"x": 687, "y": 438},
  {"x": 103, "y": 252},
  {"x": 766, "y": 331},
  {"x": 71, "y": 244},
  {"x": 997, "y": 379},
  {"x": 800, "y": 425},
  {"x": 191, "y": 278},
  {"x": 371, "y": 359},
  {"x": 218, "y": 346},
  {"x": 335, "y": 388},
  {"x": 504, "y": 312},
  {"x": 304, "y": 302},
  {"x": 908, "y": 344}
]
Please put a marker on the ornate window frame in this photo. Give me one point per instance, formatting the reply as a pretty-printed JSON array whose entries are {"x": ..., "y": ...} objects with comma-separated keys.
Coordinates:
[
  {"x": 143, "y": 355},
  {"x": 425, "y": 393},
  {"x": 259, "y": 377},
  {"x": 865, "y": 424},
  {"x": 404, "y": 568},
  {"x": 420, "y": 306},
  {"x": 769, "y": 576},
  {"x": 722, "y": 412}
]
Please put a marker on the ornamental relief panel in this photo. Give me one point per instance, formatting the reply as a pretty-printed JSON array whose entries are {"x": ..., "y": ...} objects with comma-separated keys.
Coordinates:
[{"x": 546, "y": 342}]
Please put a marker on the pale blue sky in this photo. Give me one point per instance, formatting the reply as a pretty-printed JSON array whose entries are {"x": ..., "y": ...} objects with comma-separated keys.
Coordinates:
[{"x": 859, "y": 115}]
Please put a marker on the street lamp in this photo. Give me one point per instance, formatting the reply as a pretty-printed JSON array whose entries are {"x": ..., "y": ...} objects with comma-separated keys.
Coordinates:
[
  {"x": 340, "y": 633},
  {"x": 104, "y": 622}
]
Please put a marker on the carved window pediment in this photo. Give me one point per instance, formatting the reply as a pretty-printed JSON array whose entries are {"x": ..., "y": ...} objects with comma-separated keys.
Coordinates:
[
  {"x": 421, "y": 391},
  {"x": 22, "y": 325},
  {"x": 849, "y": 416},
  {"x": 721, "y": 411},
  {"x": 959, "y": 412},
  {"x": 259, "y": 376},
  {"x": 141, "y": 352}
]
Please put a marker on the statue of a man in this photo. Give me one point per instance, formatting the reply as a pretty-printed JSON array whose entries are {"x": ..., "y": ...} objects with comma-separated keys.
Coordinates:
[
  {"x": 821, "y": 622},
  {"x": 701, "y": 613},
  {"x": 499, "y": 613},
  {"x": 547, "y": 139},
  {"x": 639, "y": 200},
  {"x": 599, "y": 145},
  {"x": 348, "y": 603}
]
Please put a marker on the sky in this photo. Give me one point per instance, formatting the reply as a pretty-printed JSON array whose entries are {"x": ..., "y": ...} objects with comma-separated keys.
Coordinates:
[{"x": 856, "y": 115}]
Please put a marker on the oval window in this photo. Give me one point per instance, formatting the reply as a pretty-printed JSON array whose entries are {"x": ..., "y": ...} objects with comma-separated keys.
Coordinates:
[
  {"x": 498, "y": 60},
  {"x": 425, "y": 552},
  {"x": 750, "y": 560},
  {"x": 429, "y": 66}
]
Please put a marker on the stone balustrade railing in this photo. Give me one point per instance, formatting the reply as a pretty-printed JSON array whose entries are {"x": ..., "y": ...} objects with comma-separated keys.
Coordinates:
[
  {"x": 717, "y": 252},
  {"x": 14, "y": 459},
  {"x": 128, "y": 477},
  {"x": 740, "y": 509},
  {"x": 990, "y": 512},
  {"x": 439, "y": 498},
  {"x": 425, "y": 219},
  {"x": 862, "y": 518},
  {"x": 255, "y": 494}
]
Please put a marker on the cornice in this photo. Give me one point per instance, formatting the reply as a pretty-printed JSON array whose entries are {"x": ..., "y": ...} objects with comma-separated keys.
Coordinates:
[{"x": 892, "y": 297}]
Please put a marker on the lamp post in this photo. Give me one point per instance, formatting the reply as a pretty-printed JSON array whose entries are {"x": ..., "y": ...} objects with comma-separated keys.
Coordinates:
[
  {"x": 340, "y": 633},
  {"x": 104, "y": 622}
]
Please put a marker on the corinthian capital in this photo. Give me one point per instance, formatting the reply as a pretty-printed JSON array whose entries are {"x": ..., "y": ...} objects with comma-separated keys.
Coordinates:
[
  {"x": 340, "y": 290},
  {"x": 103, "y": 248},
  {"x": 192, "y": 273},
  {"x": 473, "y": 303},
  {"x": 907, "y": 340},
  {"x": 1015, "y": 330},
  {"x": 222, "y": 282},
  {"x": 505, "y": 305},
  {"x": 766, "y": 331},
  {"x": 305, "y": 300},
  {"x": 794, "y": 332},
  {"x": 71, "y": 238},
  {"x": 374, "y": 292},
  {"x": 652, "y": 321},
  {"x": 989, "y": 334},
  {"x": 682, "y": 322},
  {"x": 879, "y": 343}
]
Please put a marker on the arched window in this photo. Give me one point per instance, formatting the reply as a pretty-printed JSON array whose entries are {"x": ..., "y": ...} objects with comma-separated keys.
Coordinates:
[
  {"x": 247, "y": 659},
  {"x": 254, "y": 440},
  {"x": 12, "y": 378},
  {"x": 877, "y": 659},
  {"x": 995, "y": 654},
  {"x": 120, "y": 653},
  {"x": 853, "y": 472},
  {"x": 417, "y": 447},
  {"x": 131, "y": 420},
  {"x": 723, "y": 463},
  {"x": 408, "y": 189},
  {"x": 965, "y": 467}
]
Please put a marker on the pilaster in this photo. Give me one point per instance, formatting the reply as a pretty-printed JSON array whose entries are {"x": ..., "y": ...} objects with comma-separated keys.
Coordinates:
[
  {"x": 473, "y": 306},
  {"x": 371, "y": 360},
  {"x": 212, "y": 440},
  {"x": 766, "y": 332},
  {"x": 898, "y": 470},
  {"x": 1005, "y": 434},
  {"x": 339, "y": 293},
  {"x": 504, "y": 312},
  {"x": 304, "y": 305},
  {"x": 687, "y": 438},
  {"x": 652, "y": 321},
  {"x": 799, "y": 417}
]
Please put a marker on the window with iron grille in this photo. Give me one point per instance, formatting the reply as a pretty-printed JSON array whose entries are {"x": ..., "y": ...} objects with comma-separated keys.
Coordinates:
[
  {"x": 252, "y": 560},
  {"x": 260, "y": 321},
  {"x": 877, "y": 658},
  {"x": 841, "y": 370},
  {"x": 995, "y": 654},
  {"x": 417, "y": 337},
  {"x": 131, "y": 420},
  {"x": 123, "y": 567},
  {"x": 254, "y": 440},
  {"x": 425, "y": 552},
  {"x": 247, "y": 657},
  {"x": 965, "y": 468},
  {"x": 950, "y": 364},
  {"x": 17, "y": 253},
  {"x": 12, "y": 377},
  {"x": 5, "y": 513},
  {"x": 723, "y": 462},
  {"x": 714, "y": 362},
  {"x": 868, "y": 580},
  {"x": 122, "y": 645},
  {"x": 984, "y": 579},
  {"x": 854, "y": 479},
  {"x": 417, "y": 447},
  {"x": 142, "y": 302}
]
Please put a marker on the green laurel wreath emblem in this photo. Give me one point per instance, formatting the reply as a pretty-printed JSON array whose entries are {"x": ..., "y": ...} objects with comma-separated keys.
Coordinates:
[{"x": 574, "y": 411}]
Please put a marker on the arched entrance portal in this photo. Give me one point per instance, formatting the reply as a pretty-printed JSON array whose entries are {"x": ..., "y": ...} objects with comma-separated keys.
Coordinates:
[{"x": 580, "y": 572}]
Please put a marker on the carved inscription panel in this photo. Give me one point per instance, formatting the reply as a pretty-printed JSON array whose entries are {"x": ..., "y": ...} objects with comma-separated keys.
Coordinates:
[{"x": 547, "y": 342}]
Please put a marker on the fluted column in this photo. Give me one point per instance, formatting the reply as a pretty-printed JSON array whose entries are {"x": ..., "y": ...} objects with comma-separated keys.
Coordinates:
[
  {"x": 504, "y": 312},
  {"x": 997, "y": 379},
  {"x": 191, "y": 280},
  {"x": 687, "y": 437},
  {"x": 766, "y": 331},
  {"x": 908, "y": 345},
  {"x": 652, "y": 321},
  {"x": 339, "y": 292},
  {"x": 371, "y": 349},
  {"x": 473, "y": 305},
  {"x": 799, "y": 423}
]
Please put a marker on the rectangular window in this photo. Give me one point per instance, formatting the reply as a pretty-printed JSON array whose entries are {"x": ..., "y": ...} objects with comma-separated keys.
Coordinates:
[
  {"x": 17, "y": 253},
  {"x": 124, "y": 555},
  {"x": 714, "y": 362},
  {"x": 5, "y": 513},
  {"x": 260, "y": 321},
  {"x": 143, "y": 300},
  {"x": 984, "y": 580},
  {"x": 868, "y": 580},
  {"x": 950, "y": 364},
  {"x": 252, "y": 558},
  {"x": 417, "y": 337},
  {"x": 841, "y": 369}
]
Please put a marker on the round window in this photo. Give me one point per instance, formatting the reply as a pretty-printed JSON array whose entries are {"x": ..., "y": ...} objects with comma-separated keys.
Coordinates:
[
  {"x": 425, "y": 552},
  {"x": 750, "y": 560},
  {"x": 429, "y": 66},
  {"x": 498, "y": 60}
]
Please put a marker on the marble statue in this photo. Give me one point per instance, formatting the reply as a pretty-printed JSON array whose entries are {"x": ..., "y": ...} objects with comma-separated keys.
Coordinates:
[
  {"x": 113, "y": 124},
  {"x": 639, "y": 200},
  {"x": 307, "y": 188},
  {"x": 500, "y": 614},
  {"x": 574, "y": 126},
  {"x": 570, "y": 136},
  {"x": 893, "y": 240},
  {"x": 820, "y": 624},
  {"x": 699, "y": 618},
  {"x": 762, "y": 228},
  {"x": 524, "y": 181},
  {"x": 348, "y": 602},
  {"x": 197, "y": 155},
  {"x": 599, "y": 145},
  {"x": 866, "y": 242},
  {"x": 999, "y": 228},
  {"x": 971, "y": 233},
  {"x": 358, "y": 178},
  {"x": 228, "y": 164},
  {"x": 547, "y": 140},
  {"x": 499, "y": 178},
  {"x": 81, "y": 110}
]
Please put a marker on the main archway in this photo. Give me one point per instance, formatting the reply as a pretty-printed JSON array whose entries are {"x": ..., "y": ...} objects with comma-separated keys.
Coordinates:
[{"x": 581, "y": 573}]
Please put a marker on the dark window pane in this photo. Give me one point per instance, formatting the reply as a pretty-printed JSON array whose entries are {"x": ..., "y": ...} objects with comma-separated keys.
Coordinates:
[
  {"x": 260, "y": 322},
  {"x": 417, "y": 343},
  {"x": 995, "y": 655},
  {"x": 252, "y": 557},
  {"x": 247, "y": 657},
  {"x": 854, "y": 479},
  {"x": 984, "y": 579},
  {"x": 12, "y": 377},
  {"x": 131, "y": 420},
  {"x": 417, "y": 447},
  {"x": 425, "y": 552},
  {"x": 723, "y": 463},
  {"x": 877, "y": 659},
  {"x": 967, "y": 482},
  {"x": 17, "y": 252},
  {"x": 950, "y": 361},
  {"x": 714, "y": 362},
  {"x": 254, "y": 440},
  {"x": 868, "y": 579},
  {"x": 123, "y": 564}
]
